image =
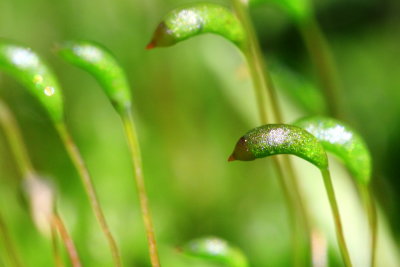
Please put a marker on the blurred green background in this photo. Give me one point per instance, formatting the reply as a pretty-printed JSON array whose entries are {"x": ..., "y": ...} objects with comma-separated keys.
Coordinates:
[{"x": 192, "y": 102}]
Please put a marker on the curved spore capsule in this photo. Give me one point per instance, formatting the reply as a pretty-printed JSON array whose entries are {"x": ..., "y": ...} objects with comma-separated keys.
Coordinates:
[
  {"x": 195, "y": 19},
  {"x": 274, "y": 139},
  {"x": 217, "y": 250},
  {"x": 342, "y": 141},
  {"x": 30, "y": 70},
  {"x": 99, "y": 62}
]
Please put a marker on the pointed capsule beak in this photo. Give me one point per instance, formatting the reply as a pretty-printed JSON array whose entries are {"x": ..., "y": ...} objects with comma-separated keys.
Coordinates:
[
  {"x": 231, "y": 158},
  {"x": 150, "y": 46}
]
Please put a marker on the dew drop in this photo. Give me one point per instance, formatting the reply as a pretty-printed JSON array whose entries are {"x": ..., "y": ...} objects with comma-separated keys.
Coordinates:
[{"x": 49, "y": 90}]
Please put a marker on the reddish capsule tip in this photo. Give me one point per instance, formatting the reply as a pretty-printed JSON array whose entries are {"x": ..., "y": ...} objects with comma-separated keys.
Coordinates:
[
  {"x": 231, "y": 158},
  {"x": 151, "y": 45}
]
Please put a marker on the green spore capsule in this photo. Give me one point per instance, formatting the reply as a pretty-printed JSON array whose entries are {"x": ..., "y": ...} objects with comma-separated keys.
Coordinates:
[
  {"x": 185, "y": 22},
  {"x": 342, "y": 141},
  {"x": 31, "y": 71},
  {"x": 99, "y": 62},
  {"x": 297, "y": 9},
  {"x": 274, "y": 139},
  {"x": 217, "y": 250}
]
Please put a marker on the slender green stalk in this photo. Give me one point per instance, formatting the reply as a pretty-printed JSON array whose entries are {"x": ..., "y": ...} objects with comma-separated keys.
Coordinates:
[
  {"x": 105, "y": 68},
  {"x": 258, "y": 88},
  {"x": 266, "y": 97},
  {"x": 336, "y": 216},
  {"x": 265, "y": 92},
  {"x": 14, "y": 138},
  {"x": 130, "y": 132},
  {"x": 322, "y": 60},
  {"x": 8, "y": 243},
  {"x": 67, "y": 240},
  {"x": 80, "y": 166},
  {"x": 370, "y": 206}
]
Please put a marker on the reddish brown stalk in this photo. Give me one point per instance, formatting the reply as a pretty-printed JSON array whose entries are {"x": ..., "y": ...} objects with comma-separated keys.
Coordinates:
[
  {"x": 80, "y": 166},
  {"x": 67, "y": 240},
  {"x": 56, "y": 250}
]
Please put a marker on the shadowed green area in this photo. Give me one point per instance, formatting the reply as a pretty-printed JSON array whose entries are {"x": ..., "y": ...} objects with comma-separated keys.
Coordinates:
[{"x": 297, "y": 9}]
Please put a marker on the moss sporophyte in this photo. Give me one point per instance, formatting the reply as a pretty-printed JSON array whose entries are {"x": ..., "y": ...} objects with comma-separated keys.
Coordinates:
[
  {"x": 275, "y": 139},
  {"x": 99, "y": 62},
  {"x": 346, "y": 144}
]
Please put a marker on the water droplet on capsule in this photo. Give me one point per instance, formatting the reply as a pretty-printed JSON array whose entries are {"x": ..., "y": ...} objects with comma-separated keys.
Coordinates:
[{"x": 49, "y": 90}]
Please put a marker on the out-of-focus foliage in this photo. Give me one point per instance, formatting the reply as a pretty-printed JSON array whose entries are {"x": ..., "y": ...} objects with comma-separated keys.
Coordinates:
[{"x": 191, "y": 102}]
